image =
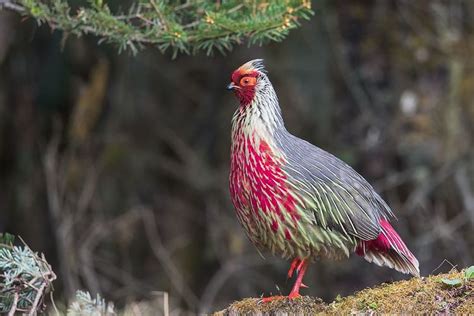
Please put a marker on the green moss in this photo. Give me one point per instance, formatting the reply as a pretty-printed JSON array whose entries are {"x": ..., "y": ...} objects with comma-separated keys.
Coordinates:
[
  {"x": 304, "y": 305},
  {"x": 428, "y": 295}
]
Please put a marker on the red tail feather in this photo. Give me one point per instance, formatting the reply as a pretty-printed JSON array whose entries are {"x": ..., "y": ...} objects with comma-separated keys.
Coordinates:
[{"x": 388, "y": 249}]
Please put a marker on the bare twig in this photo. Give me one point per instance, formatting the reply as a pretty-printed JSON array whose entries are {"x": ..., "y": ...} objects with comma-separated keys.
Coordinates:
[
  {"x": 467, "y": 195},
  {"x": 441, "y": 264},
  {"x": 160, "y": 15},
  {"x": 39, "y": 295},
  {"x": 422, "y": 191},
  {"x": 161, "y": 253},
  {"x": 14, "y": 305},
  {"x": 348, "y": 74},
  {"x": 166, "y": 305},
  {"x": 62, "y": 220},
  {"x": 11, "y": 6},
  {"x": 88, "y": 190},
  {"x": 51, "y": 298},
  {"x": 99, "y": 231},
  {"x": 229, "y": 269}
]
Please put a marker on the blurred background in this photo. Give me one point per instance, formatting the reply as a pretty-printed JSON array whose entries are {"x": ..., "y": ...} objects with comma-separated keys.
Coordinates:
[{"x": 116, "y": 166}]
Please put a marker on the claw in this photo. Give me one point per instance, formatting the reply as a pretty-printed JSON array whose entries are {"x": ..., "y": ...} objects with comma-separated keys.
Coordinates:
[
  {"x": 292, "y": 295},
  {"x": 271, "y": 298},
  {"x": 300, "y": 267}
]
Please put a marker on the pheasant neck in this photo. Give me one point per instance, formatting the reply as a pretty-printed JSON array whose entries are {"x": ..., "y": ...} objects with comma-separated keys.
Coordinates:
[{"x": 261, "y": 117}]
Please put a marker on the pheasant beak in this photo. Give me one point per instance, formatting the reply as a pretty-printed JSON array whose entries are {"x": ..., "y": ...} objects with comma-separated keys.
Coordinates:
[{"x": 232, "y": 86}]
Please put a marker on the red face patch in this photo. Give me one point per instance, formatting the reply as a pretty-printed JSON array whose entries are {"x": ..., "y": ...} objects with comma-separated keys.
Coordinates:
[{"x": 244, "y": 82}]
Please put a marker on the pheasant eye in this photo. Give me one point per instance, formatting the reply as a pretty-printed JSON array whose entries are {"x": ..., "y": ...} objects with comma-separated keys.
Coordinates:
[{"x": 248, "y": 81}]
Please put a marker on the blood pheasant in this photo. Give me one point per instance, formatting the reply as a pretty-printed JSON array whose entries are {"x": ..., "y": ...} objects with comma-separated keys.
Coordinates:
[{"x": 297, "y": 200}]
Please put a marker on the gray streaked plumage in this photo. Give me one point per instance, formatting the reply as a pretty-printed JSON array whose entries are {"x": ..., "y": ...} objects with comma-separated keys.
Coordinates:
[{"x": 298, "y": 200}]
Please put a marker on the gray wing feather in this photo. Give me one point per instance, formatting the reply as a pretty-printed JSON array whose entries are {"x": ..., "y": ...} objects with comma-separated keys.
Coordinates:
[{"x": 336, "y": 194}]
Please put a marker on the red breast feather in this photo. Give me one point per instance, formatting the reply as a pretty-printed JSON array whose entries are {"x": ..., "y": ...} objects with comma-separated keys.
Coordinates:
[
  {"x": 259, "y": 191},
  {"x": 299, "y": 197}
]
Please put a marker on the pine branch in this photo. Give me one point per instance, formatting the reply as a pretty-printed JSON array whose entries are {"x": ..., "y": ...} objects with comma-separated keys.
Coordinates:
[{"x": 189, "y": 27}]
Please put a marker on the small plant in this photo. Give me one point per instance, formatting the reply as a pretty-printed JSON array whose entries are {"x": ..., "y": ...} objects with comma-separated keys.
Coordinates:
[
  {"x": 373, "y": 306},
  {"x": 6, "y": 240},
  {"x": 451, "y": 282},
  {"x": 85, "y": 305},
  {"x": 25, "y": 278},
  {"x": 468, "y": 275}
]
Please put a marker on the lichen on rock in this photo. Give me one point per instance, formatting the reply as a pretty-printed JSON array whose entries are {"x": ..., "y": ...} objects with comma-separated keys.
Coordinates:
[{"x": 427, "y": 295}]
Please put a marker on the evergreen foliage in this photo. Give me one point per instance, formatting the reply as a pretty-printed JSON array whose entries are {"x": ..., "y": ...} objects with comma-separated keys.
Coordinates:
[
  {"x": 184, "y": 27},
  {"x": 85, "y": 305},
  {"x": 25, "y": 277}
]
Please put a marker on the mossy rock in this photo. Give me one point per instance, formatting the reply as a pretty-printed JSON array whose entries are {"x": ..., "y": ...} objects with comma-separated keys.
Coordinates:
[{"x": 427, "y": 295}]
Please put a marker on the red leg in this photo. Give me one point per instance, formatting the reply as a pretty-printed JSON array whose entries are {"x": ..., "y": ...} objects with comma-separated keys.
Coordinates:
[
  {"x": 295, "y": 292},
  {"x": 295, "y": 263},
  {"x": 300, "y": 266}
]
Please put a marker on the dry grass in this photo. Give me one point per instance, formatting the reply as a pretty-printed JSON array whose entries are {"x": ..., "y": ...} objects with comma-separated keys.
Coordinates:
[{"x": 427, "y": 295}]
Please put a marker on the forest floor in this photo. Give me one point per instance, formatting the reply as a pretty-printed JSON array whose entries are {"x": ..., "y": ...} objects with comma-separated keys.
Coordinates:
[{"x": 450, "y": 293}]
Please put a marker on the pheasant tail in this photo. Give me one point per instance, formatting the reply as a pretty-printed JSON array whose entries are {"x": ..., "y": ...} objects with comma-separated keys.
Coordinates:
[{"x": 389, "y": 250}]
